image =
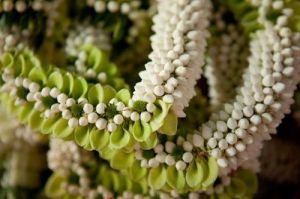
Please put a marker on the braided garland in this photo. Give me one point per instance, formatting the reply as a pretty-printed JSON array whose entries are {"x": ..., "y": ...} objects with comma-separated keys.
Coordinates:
[{"x": 231, "y": 136}]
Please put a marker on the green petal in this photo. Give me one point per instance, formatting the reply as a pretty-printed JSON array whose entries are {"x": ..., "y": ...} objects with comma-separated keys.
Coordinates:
[
  {"x": 69, "y": 82},
  {"x": 151, "y": 142},
  {"x": 250, "y": 180},
  {"x": 237, "y": 188},
  {"x": 175, "y": 178},
  {"x": 80, "y": 87},
  {"x": 35, "y": 120},
  {"x": 61, "y": 129},
  {"x": 24, "y": 112},
  {"x": 157, "y": 177},
  {"x": 141, "y": 131},
  {"x": 169, "y": 124},
  {"x": 96, "y": 94},
  {"x": 109, "y": 93},
  {"x": 123, "y": 95},
  {"x": 99, "y": 139},
  {"x": 122, "y": 160},
  {"x": 112, "y": 69},
  {"x": 107, "y": 153},
  {"x": 213, "y": 170},
  {"x": 159, "y": 115},
  {"x": 48, "y": 124},
  {"x": 38, "y": 75},
  {"x": 136, "y": 172},
  {"x": 53, "y": 187},
  {"x": 195, "y": 173},
  {"x": 26, "y": 66},
  {"x": 119, "y": 138},
  {"x": 7, "y": 60},
  {"x": 81, "y": 135},
  {"x": 224, "y": 196},
  {"x": 56, "y": 80}
]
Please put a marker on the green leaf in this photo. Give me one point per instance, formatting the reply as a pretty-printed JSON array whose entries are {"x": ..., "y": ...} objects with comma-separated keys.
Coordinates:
[
  {"x": 175, "y": 178},
  {"x": 169, "y": 124},
  {"x": 80, "y": 87},
  {"x": 119, "y": 138},
  {"x": 122, "y": 160},
  {"x": 213, "y": 170},
  {"x": 136, "y": 172},
  {"x": 53, "y": 187},
  {"x": 157, "y": 177},
  {"x": 99, "y": 139},
  {"x": 195, "y": 173},
  {"x": 61, "y": 129},
  {"x": 96, "y": 94},
  {"x": 81, "y": 135},
  {"x": 141, "y": 131}
]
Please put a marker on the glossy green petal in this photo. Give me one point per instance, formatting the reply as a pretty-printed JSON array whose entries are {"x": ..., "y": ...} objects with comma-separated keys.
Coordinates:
[
  {"x": 7, "y": 60},
  {"x": 123, "y": 95},
  {"x": 121, "y": 160},
  {"x": 136, "y": 172},
  {"x": 141, "y": 131},
  {"x": 195, "y": 173},
  {"x": 99, "y": 139},
  {"x": 82, "y": 136},
  {"x": 24, "y": 112},
  {"x": 80, "y": 87},
  {"x": 61, "y": 129},
  {"x": 53, "y": 187},
  {"x": 151, "y": 142},
  {"x": 169, "y": 124},
  {"x": 109, "y": 93},
  {"x": 35, "y": 120},
  {"x": 69, "y": 82},
  {"x": 175, "y": 178},
  {"x": 107, "y": 153},
  {"x": 95, "y": 94},
  {"x": 48, "y": 124},
  {"x": 38, "y": 75},
  {"x": 56, "y": 80},
  {"x": 250, "y": 180},
  {"x": 157, "y": 177},
  {"x": 159, "y": 115},
  {"x": 119, "y": 138},
  {"x": 237, "y": 188},
  {"x": 213, "y": 170}
]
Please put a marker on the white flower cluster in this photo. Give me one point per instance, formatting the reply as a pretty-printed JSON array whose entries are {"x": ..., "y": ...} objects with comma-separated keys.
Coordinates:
[
  {"x": 235, "y": 134},
  {"x": 10, "y": 39},
  {"x": 85, "y": 35},
  {"x": 67, "y": 157},
  {"x": 163, "y": 153},
  {"x": 178, "y": 50},
  {"x": 21, "y": 5},
  {"x": 112, "y": 6},
  {"x": 225, "y": 65},
  {"x": 78, "y": 112}
]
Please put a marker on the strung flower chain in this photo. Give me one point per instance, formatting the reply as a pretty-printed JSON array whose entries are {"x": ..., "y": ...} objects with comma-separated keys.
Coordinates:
[
  {"x": 177, "y": 56},
  {"x": 226, "y": 63}
]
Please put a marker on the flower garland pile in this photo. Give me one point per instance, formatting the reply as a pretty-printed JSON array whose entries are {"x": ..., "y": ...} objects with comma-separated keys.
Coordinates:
[{"x": 141, "y": 136}]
